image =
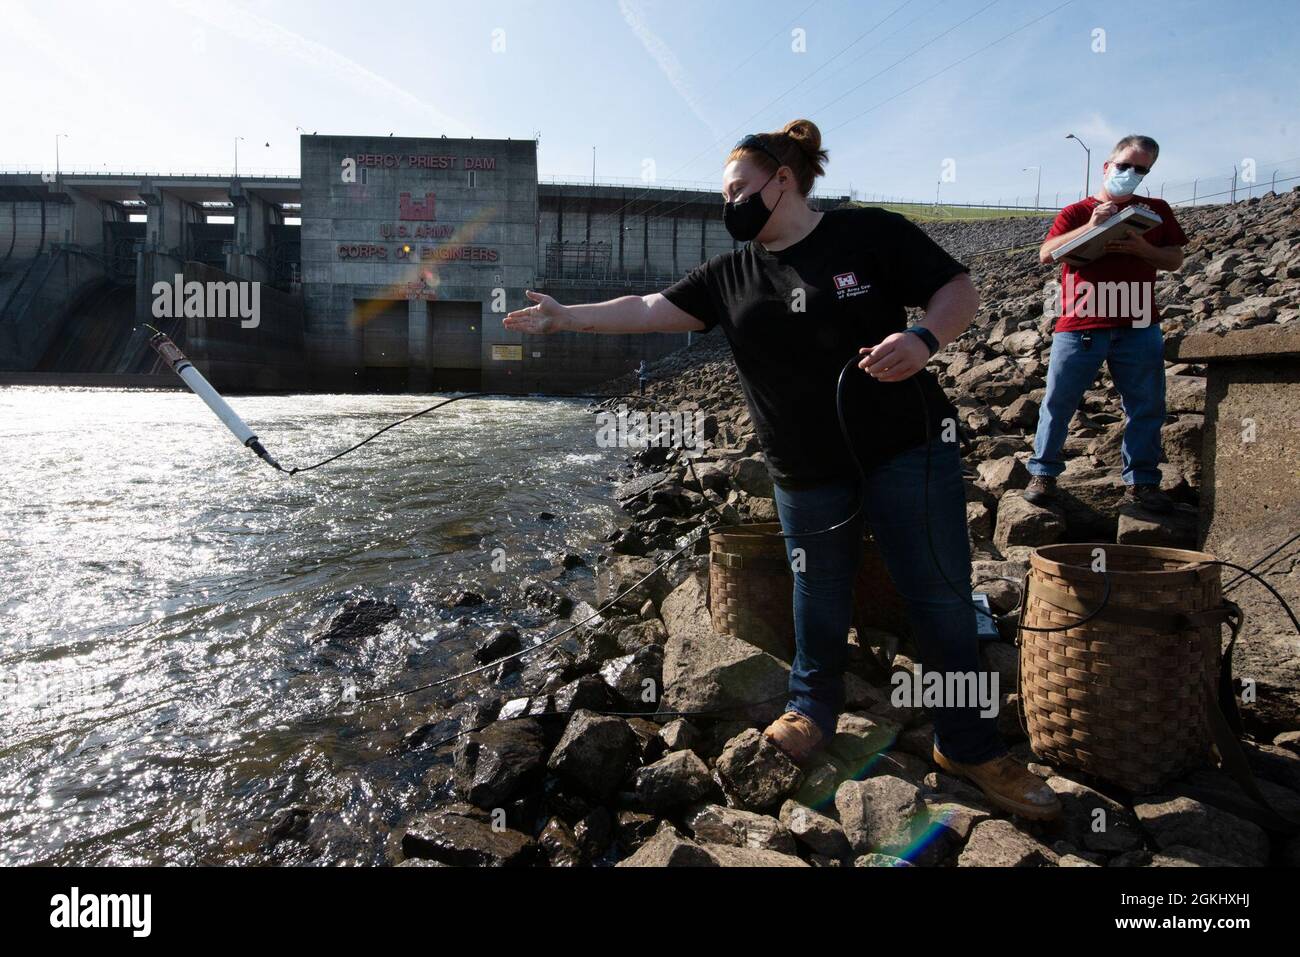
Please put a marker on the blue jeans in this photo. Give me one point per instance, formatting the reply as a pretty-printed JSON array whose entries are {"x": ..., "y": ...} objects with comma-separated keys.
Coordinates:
[
  {"x": 943, "y": 624},
  {"x": 1136, "y": 358}
]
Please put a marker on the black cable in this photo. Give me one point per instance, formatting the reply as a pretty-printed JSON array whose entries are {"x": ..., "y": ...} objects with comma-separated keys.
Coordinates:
[
  {"x": 1256, "y": 564},
  {"x": 934, "y": 554},
  {"x": 1272, "y": 591},
  {"x": 839, "y": 402},
  {"x": 698, "y": 533},
  {"x": 704, "y": 712},
  {"x": 694, "y": 537}
]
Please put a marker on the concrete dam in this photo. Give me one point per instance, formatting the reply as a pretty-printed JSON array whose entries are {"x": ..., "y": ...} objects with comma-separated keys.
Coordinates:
[{"x": 387, "y": 265}]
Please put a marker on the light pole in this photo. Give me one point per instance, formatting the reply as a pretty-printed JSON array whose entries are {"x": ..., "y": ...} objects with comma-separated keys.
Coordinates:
[
  {"x": 1039, "y": 189},
  {"x": 57, "y": 137},
  {"x": 237, "y": 139},
  {"x": 1087, "y": 169}
]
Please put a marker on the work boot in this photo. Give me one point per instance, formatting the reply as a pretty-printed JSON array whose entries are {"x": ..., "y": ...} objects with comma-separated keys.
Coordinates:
[
  {"x": 1150, "y": 498},
  {"x": 795, "y": 734},
  {"x": 1041, "y": 491},
  {"x": 1008, "y": 784}
]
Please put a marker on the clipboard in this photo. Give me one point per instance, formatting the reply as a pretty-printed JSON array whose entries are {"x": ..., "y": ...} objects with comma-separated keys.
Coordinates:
[{"x": 1130, "y": 221}]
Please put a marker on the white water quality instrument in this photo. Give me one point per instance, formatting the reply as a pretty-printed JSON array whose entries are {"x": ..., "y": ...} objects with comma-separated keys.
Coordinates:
[{"x": 191, "y": 376}]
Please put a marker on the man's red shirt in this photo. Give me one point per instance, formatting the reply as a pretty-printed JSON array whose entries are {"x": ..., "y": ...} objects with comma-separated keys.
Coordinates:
[{"x": 1112, "y": 267}]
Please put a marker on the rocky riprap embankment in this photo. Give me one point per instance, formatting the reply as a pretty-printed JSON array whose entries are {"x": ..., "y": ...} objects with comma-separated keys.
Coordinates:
[{"x": 577, "y": 761}]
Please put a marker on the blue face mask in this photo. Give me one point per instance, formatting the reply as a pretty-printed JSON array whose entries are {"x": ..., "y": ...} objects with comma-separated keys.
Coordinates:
[{"x": 1122, "y": 183}]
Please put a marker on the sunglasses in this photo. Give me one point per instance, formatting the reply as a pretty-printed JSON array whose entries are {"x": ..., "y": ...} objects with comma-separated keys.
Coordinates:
[
  {"x": 752, "y": 142},
  {"x": 1125, "y": 167}
]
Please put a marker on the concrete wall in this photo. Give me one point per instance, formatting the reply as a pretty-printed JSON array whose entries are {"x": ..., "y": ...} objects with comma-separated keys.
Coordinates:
[
  {"x": 266, "y": 358},
  {"x": 1250, "y": 495},
  {"x": 353, "y": 235},
  {"x": 56, "y": 281},
  {"x": 653, "y": 235},
  {"x": 352, "y": 238},
  {"x": 22, "y": 231}
]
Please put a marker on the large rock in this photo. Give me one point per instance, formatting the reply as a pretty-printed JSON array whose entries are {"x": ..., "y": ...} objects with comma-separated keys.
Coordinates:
[
  {"x": 559, "y": 845},
  {"x": 635, "y": 637},
  {"x": 588, "y": 692},
  {"x": 815, "y": 831},
  {"x": 498, "y": 644},
  {"x": 999, "y": 843},
  {"x": 881, "y": 814},
  {"x": 675, "y": 780},
  {"x": 1023, "y": 523},
  {"x": 726, "y": 855},
  {"x": 1215, "y": 786},
  {"x": 464, "y": 837},
  {"x": 1137, "y": 526},
  {"x": 715, "y": 824},
  {"x": 637, "y": 678},
  {"x": 705, "y": 671},
  {"x": 1093, "y": 820},
  {"x": 358, "y": 620},
  {"x": 1002, "y": 475},
  {"x": 1027, "y": 342},
  {"x": 754, "y": 773},
  {"x": 1088, "y": 499},
  {"x": 501, "y": 760},
  {"x": 1182, "y": 441},
  {"x": 956, "y": 817},
  {"x": 858, "y": 738},
  {"x": 751, "y": 475},
  {"x": 679, "y": 735},
  {"x": 621, "y": 572},
  {"x": 594, "y": 752},
  {"x": 1179, "y": 855},
  {"x": 1184, "y": 393},
  {"x": 1184, "y": 821},
  {"x": 1021, "y": 414},
  {"x": 668, "y": 848}
]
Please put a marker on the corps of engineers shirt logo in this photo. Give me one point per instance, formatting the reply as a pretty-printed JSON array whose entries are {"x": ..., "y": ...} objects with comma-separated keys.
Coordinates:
[{"x": 847, "y": 286}]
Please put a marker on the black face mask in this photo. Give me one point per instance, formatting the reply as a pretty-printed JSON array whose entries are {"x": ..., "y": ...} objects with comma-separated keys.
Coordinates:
[{"x": 746, "y": 218}]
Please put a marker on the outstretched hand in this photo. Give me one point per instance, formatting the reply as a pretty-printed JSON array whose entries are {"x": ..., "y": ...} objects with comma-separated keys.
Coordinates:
[{"x": 544, "y": 317}]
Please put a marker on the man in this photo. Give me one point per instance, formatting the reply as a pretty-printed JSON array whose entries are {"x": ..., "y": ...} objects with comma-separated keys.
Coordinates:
[
  {"x": 642, "y": 375},
  {"x": 1108, "y": 314}
]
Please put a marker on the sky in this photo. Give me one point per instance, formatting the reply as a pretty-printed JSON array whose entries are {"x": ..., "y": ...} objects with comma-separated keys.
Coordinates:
[{"x": 963, "y": 99}]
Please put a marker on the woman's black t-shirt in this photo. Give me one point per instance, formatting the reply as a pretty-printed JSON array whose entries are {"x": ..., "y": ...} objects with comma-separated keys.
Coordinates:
[{"x": 794, "y": 317}]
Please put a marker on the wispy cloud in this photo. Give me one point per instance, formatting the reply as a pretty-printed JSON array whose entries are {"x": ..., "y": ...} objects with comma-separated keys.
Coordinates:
[
  {"x": 666, "y": 60},
  {"x": 243, "y": 24},
  {"x": 21, "y": 24}
]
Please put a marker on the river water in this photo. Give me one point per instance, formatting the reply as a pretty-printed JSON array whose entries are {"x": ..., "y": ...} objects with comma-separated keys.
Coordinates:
[{"x": 164, "y": 691}]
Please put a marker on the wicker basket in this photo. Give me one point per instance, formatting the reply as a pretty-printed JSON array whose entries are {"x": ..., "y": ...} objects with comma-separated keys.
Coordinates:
[
  {"x": 751, "y": 590},
  {"x": 1123, "y": 696}
]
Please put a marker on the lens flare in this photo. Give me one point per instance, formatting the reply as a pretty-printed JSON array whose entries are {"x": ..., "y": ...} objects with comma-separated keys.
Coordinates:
[{"x": 419, "y": 280}]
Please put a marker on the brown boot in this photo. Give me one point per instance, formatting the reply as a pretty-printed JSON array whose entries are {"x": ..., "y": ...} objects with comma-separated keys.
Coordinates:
[
  {"x": 1008, "y": 784},
  {"x": 1041, "y": 491},
  {"x": 795, "y": 734}
]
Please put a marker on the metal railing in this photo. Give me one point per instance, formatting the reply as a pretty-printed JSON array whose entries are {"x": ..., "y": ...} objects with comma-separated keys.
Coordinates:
[{"x": 273, "y": 173}]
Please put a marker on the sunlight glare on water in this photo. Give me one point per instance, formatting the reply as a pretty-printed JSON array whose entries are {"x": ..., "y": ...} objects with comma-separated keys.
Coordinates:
[{"x": 163, "y": 695}]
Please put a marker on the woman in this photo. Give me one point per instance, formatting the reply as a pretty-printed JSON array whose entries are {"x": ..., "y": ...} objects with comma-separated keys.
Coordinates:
[{"x": 809, "y": 291}]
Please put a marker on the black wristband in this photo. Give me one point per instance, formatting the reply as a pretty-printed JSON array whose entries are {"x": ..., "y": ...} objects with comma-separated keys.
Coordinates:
[{"x": 926, "y": 336}]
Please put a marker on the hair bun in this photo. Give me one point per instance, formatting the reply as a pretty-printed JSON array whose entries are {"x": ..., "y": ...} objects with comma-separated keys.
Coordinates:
[{"x": 806, "y": 134}]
